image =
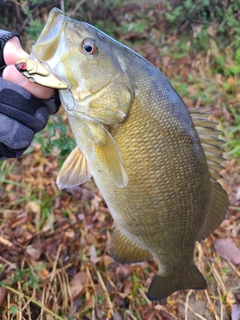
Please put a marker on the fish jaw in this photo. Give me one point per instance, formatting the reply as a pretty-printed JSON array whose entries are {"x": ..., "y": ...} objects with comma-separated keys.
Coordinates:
[
  {"x": 47, "y": 45},
  {"x": 91, "y": 90}
]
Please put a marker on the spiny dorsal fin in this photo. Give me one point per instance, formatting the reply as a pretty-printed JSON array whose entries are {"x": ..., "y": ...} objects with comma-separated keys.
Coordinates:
[
  {"x": 210, "y": 142},
  {"x": 125, "y": 250},
  {"x": 199, "y": 114}
]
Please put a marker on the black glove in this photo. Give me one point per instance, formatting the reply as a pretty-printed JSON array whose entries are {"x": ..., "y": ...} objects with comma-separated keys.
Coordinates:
[{"x": 21, "y": 114}]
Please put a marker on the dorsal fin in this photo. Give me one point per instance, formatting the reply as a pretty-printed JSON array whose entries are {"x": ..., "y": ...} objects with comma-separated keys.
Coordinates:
[
  {"x": 210, "y": 142},
  {"x": 213, "y": 151}
]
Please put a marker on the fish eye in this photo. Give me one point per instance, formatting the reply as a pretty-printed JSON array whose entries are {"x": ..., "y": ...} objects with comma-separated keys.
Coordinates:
[{"x": 89, "y": 47}]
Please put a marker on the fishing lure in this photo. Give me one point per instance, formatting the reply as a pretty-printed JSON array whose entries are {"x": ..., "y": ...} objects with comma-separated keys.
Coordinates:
[{"x": 37, "y": 73}]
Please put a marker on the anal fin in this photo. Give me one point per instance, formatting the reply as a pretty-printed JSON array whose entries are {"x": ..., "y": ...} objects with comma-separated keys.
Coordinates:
[{"x": 124, "y": 250}]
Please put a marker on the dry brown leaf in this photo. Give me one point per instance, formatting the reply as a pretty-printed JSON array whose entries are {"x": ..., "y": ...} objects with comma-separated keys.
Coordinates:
[
  {"x": 228, "y": 250},
  {"x": 70, "y": 233},
  {"x": 107, "y": 260},
  {"x": 77, "y": 284},
  {"x": 33, "y": 207},
  {"x": 236, "y": 312},
  {"x": 34, "y": 253},
  {"x": 43, "y": 273}
]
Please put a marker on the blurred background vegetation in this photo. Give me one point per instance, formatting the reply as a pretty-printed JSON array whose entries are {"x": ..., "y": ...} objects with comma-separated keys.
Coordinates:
[{"x": 55, "y": 239}]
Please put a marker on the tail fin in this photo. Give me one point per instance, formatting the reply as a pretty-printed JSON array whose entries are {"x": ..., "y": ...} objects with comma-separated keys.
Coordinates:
[{"x": 161, "y": 287}]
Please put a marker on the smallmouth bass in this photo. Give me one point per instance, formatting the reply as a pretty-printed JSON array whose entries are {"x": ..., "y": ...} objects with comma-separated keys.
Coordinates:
[{"x": 155, "y": 162}]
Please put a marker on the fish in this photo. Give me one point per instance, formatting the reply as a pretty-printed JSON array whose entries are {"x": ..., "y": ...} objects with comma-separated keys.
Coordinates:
[{"x": 155, "y": 161}]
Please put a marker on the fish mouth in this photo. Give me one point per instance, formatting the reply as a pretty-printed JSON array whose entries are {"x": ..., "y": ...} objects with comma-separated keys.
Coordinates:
[{"x": 50, "y": 37}]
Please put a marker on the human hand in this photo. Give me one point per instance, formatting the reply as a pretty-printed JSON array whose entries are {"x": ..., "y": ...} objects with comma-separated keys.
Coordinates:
[
  {"x": 22, "y": 114},
  {"x": 12, "y": 52}
]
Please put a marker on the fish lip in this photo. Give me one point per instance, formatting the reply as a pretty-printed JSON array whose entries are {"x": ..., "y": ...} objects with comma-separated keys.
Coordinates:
[
  {"x": 49, "y": 35},
  {"x": 55, "y": 17}
]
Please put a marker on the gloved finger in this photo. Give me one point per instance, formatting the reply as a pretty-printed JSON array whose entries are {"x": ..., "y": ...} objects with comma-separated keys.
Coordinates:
[
  {"x": 6, "y": 152},
  {"x": 13, "y": 52},
  {"x": 19, "y": 104},
  {"x": 14, "y": 134}
]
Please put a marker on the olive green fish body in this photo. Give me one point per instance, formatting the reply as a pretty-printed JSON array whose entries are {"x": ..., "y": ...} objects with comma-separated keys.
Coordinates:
[{"x": 154, "y": 161}]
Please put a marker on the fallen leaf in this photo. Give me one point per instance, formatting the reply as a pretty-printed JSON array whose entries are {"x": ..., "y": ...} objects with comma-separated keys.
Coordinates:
[
  {"x": 236, "y": 312},
  {"x": 34, "y": 253},
  {"x": 43, "y": 273},
  {"x": 77, "y": 284},
  {"x": 228, "y": 250},
  {"x": 70, "y": 233},
  {"x": 33, "y": 207}
]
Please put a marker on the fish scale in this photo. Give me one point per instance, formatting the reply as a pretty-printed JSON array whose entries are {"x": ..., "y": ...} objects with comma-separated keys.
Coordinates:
[{"x": 155, "y": 162}]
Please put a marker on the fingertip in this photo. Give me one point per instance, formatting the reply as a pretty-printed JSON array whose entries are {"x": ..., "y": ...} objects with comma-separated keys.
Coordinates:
[
  {"x": 10, "y": 73},
  {"x": 13, "y": 51}
]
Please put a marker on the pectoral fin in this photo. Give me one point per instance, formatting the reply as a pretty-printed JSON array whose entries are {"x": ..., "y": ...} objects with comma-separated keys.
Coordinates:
[
  {"x": 124, "y": 250},
  {"x": 74, "y": 171},
  {"x": 108, "y": 152}
]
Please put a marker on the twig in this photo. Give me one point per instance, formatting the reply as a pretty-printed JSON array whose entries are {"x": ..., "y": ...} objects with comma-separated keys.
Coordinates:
[
  {"x": 221, "y": 304},
  {"x": 187, "y": 304},
  {"x": 17, "y": 3},
  {"x": 159, "y": 307},
  {"x": 20, "y": 294},
  {"x": 210, "y": 303},
  {"x": 55, "y": 263},
  {"x": 195, "y": 313},
  {"x": 76, "y": 7},
  {"x": 6, "y": 242},
  {"x": 218, "y": 279},
  {"x": 91, "y": 280},
  {"x": 145, "y": 297},
  {"x": 105, "y": 292},
  {"x": 131, "y": 315},
  {"x": 234, "y": 208},
  {"x": 234, "y": 268}
]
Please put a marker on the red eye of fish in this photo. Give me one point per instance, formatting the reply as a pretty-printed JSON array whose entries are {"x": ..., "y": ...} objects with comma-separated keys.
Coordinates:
[{"x": 89, "y": 48}]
